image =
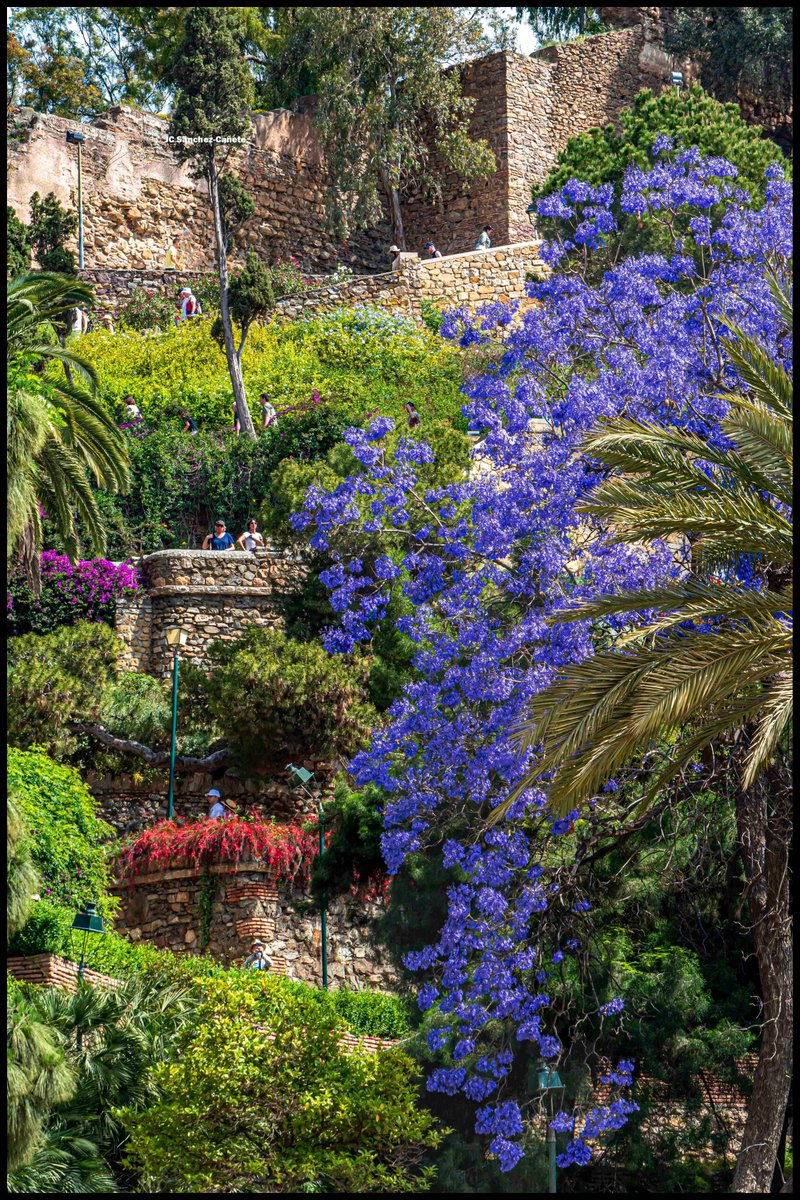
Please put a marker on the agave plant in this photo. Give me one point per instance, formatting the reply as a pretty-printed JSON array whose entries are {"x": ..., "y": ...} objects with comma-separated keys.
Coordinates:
[
  {"x": 717, "y": 658},
  {"x": 57, "y": 429}
]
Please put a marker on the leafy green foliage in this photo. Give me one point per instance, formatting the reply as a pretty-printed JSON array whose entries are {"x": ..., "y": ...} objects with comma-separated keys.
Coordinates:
[
  {"x": 379, "y": 80},
  {"x": 692, "y": 118},
  {"x": 58, "y": 677},
  {"x": 561, "y": 24},
  {"x": 738, "y": 50},
  {"x": 17, "y": 245},
  {"x": 67, "y": 837},
  {"x": 287, "y": 1111},
  {"x": 22, "y": 879},
  {"x": 39, "y": 1076},
  {"x": 274, "y": 697},
  {"x": 49, "y": 229},
  {"x": 145, "y": 309},
  {"x": 354, "y": 848},
  {"x": 358, "y": 359}
]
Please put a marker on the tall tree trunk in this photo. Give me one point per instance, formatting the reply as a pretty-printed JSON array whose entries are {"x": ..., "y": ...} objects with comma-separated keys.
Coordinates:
[
  {"x": 234, "y": 365},
  {"x": 395, "y": 212},
  {"x": 764, "y": 819}
]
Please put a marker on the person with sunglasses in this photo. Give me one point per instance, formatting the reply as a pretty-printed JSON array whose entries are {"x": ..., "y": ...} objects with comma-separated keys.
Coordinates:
[{"x": 220, "y": 539}]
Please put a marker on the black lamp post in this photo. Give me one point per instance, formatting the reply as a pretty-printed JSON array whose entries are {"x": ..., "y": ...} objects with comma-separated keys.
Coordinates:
[
  {"x": 176, "y": 638},
  {"x": 87, "y": 921},
  {"x": 549, "y": 1085},
  {"x": 76, "y": 139},
  {"x": 303, "y": 778}
]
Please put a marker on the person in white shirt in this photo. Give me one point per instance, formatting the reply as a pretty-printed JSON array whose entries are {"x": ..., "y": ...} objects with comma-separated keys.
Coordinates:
[
  {"x": 80, "y": 321},
  {"x": 190, "y": 305},
  {"x": 216, "y": 812},
  {"x": 484, "y": 242},
  {"x": 132, "y": 411},
  {"x": 251, "y": 539},
  {"x": 267, "y": 410}
]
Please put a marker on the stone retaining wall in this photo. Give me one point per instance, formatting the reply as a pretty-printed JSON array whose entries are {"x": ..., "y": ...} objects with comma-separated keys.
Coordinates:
[
  {"x": 138, "y": 797},
  {"x": 214, "y": 595},
  {"x": 163, "y": 907}
]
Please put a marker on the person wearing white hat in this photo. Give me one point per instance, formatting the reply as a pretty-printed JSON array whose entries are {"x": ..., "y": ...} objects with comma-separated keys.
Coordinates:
[
  {"x": 394, "y": 252},
  {"x": 190, "y": 305},
  {"x": 257, "y": 960},
  {"x": 217, "y": 812}
]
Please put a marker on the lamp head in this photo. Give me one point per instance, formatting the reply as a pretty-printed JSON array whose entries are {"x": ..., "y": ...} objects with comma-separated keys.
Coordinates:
[
  {"x": 88, "y": 920},
  {"x": 73, "y": 137},
  {"x": 676, "y": 78},
  {"x": 176, "y": 636},
  {"x": 300, "y": 773}
]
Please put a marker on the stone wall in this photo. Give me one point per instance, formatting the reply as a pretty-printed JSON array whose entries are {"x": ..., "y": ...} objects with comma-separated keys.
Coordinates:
[
  {"x": 163, "y": 907},
  {"x": 213, "y": 595},
  {"x": 137, "y": 196},
  {"x": 472, "y": 278},
  {"x": 50, "y": 970},
  {"x": 138, "y": 797}
]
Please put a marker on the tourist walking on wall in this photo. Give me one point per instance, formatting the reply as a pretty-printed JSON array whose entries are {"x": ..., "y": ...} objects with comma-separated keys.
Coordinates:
[
  {"x": 190, "y": 305},
  {"x": 173, "y": 261},
  {"x": 251, "y": 539},
  {"x": 270, "y": 417},
  {"x": 484, "y": 241},
  {"x": 257, "y": 959},
  {"x": 434, "y": 253},
  {"x": 220, "y": 539}
]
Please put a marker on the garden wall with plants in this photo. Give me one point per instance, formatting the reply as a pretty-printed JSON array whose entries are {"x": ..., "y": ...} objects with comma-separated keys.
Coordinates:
[{"x": 214, "y": 886}]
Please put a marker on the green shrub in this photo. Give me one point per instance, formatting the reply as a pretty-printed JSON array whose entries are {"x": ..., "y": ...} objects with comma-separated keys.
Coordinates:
[
  {"x": 57, "y": 677},
  {"x": 358, "y": 359},
  {"x": 146, "y": 309},
  {"x": 274, "y": 698},
  {"x": 69, "y": 842},
  {"x": 244, "y": 1112}
]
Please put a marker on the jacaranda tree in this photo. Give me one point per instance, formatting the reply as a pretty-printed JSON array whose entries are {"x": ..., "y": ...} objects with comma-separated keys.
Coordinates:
[{"x": 484, "y": 563}]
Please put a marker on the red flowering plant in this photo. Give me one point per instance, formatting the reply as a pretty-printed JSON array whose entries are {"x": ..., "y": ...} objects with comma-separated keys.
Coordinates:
[{"x": 287, "y": 849}]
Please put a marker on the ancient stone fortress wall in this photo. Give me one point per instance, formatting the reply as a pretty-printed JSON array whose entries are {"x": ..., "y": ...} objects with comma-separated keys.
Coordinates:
[
  {"x": 471, "y": 279},
  {"x": 137, "y": 196},
  {"x": 214, "y": 595},
  {"x": 164, "y": 907}
]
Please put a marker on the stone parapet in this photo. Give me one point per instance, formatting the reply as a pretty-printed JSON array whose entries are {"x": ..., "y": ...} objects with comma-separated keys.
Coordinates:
[
  {"x": 214, "y": 595},
  {"x": 51, "y": 970}
]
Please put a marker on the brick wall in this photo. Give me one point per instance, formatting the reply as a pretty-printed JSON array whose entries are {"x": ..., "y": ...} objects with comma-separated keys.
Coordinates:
[{"x": 54, "y": 971}]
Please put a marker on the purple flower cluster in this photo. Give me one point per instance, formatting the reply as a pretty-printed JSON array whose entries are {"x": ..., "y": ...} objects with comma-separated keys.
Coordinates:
[{"x": 483, "y": 563}]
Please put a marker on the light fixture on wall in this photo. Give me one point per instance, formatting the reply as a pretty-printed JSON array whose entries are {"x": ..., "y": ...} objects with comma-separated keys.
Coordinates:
[
  {"x": 676, "y": 79},
  {"x": 177, "y": 637},
  {"x": 76, "y": 139}
]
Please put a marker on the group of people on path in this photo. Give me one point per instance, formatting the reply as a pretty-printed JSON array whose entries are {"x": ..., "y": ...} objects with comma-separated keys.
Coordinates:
[{"x": 484, "y": 242}]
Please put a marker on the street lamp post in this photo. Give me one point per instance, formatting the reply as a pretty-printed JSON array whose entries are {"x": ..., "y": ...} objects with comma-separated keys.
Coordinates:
[
  {"x": 548, "y": 1083},
  {"x": 76, "y": 139},
  {"x": 176, "y": 638},
  {"x": 87, "y": 921},
  {"x": 304, "y": 777}
]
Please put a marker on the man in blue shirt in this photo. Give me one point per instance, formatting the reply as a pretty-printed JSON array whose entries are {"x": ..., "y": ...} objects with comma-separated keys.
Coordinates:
[{"x": 220, "y": 539}]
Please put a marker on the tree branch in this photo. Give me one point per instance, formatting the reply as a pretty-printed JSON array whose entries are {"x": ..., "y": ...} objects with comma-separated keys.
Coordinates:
[{"x": 154, "y": 758}]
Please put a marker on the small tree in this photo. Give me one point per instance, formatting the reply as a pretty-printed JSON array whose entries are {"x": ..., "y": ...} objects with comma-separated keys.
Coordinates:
[
  {"x": 49, "y": 229},
  {"x": 386, "y": 104},
  {"x": 19, "y": 247},
  {"x": 211, "y": 115}
]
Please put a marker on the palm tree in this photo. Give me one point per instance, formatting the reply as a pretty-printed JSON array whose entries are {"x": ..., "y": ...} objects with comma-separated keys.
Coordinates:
[
  {"x": 39, "y": 1076},
  {"x": 714, "y": 665},
  {"x": 57, "y": 429}
]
